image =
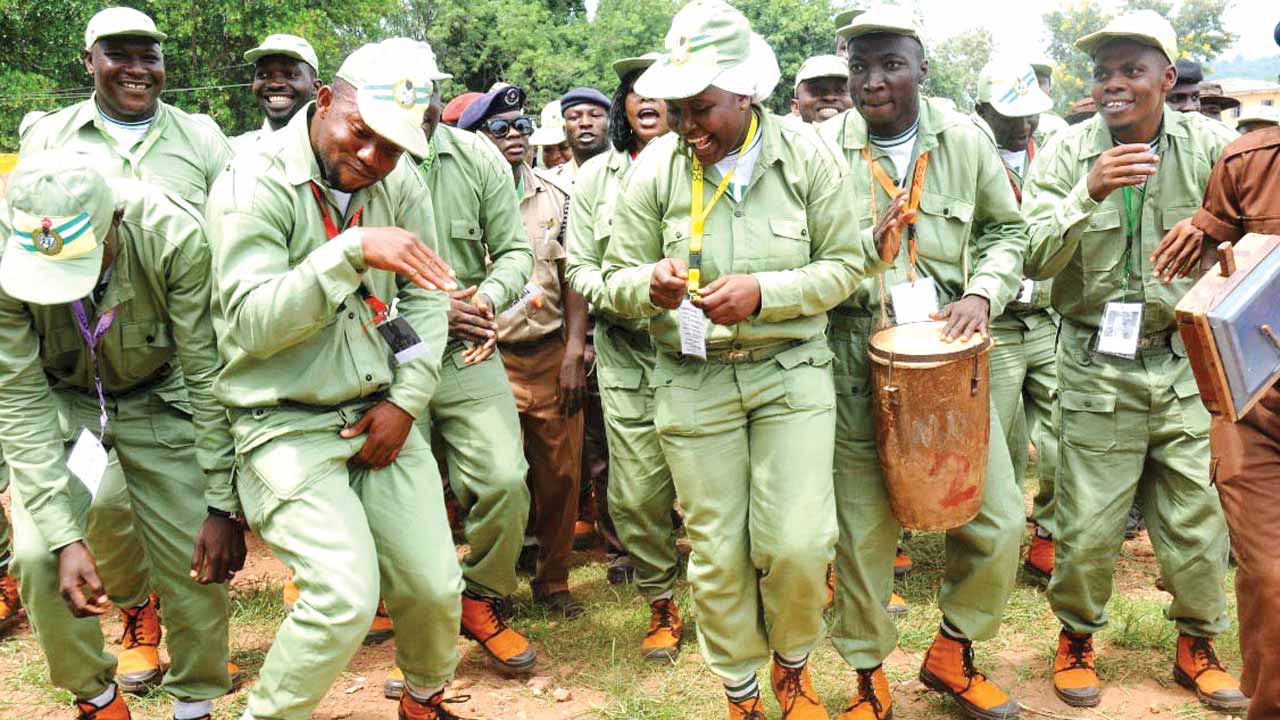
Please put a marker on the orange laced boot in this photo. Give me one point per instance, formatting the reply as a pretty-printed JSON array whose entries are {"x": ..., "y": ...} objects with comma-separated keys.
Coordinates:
[
  {"x": 873, "y": 702},
  {"x": 749, "y": 709},
  {"x": 902, "y": 563},
  {"x": 483, "y": 622},
  {"x": 896, "y": 606},
  {"x": 1040, "y": 557},
  {"x": 662, "y": 641},
  {"x": 948, "y": 668},
  {"x": 433, "y": 709},
  {"x": 9, "y": 602},
  {"x": 1075, "y": 681},
  {"x": 1197, "y": 668},
  {"x": 795, "y": 693},
  {"x": 381, "y": 629},
  {"x": 138, "y": 668},
  {"x": 114, "y": 710}
]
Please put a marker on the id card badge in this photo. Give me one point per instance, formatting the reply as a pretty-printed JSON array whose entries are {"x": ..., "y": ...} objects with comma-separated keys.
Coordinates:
[
  {"x": 1027, "y": 292},
  {"x": 1120, "y": 330},
  {"x": 402, "y": 339},
  {"x": 693, "y": 330},
  {"x": 88, "y": 461},
  {"x": 914, "y": 301},
  {"x": 531, "y": 293}
]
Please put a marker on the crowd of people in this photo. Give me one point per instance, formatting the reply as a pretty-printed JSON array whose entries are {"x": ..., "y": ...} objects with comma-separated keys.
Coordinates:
[{"x": 625, "y": 315}]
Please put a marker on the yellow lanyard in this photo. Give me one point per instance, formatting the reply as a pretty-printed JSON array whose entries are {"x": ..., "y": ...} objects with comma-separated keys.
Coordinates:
[{"x": 699, "y": 215}]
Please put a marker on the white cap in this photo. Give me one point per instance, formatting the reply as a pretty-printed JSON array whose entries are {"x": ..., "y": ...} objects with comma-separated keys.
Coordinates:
[
  {"x": 551, "y": 128},
  {"x": 287, "y": 45},
  {"x": 820, "y": 66},
  {"x": 1147, "y": 27},
  {"x": 1010, "y": 87},
  {"x": 1263, "y": 114},
  {"x": 393, "y": 89},
  {"x": 120, "y": 21}
]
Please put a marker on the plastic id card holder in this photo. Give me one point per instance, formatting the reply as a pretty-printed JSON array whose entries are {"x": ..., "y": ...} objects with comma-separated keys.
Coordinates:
[{"x": 1120, "y": 330}]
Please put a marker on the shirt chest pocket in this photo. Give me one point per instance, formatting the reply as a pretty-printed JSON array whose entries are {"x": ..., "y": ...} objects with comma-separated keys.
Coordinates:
[
  {"x": 1101, "y": 243},
  {"x": 1174, "y": 215},
  {"x": 789, "y": 244},
  {"x": 466, "y": 230},
  {"x": 147, "y": 347},
  {"x": 943, "y": 226},
  {"x": 61, "y": 346},
  {"x": 675, "y": 240}
]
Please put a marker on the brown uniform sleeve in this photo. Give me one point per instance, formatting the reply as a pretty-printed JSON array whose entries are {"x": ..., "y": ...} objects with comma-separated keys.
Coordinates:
[{"x": 1220, "y": 216}]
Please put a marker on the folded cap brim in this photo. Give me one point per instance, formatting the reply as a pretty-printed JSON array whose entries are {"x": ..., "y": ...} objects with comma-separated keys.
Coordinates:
[
  {"x": 1091, "y": 42},
  {"x": 1032, "y": 103},
  {"x": 626, "y": 66},
  {"x": 153, "y": 34},
  {"x": 258, "y": 53},
  {"x": 858, "y": 29},
  {"x": 547, "y": 136},
  {"x": 666, "y": 80},
  {"x": 392, "y": 124},
  {"x": 30, "y": 278}
]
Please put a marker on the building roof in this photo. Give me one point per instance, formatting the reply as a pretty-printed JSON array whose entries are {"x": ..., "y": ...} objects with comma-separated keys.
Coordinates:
[{"x": 1234, "y": 87}]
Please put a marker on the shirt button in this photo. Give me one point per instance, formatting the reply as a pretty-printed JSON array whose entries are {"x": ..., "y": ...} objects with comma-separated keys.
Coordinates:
[
  {"x": 368, "y": 378},
  {"x": 737, "y": 213},
  {"x": 151, "y": 339},
  {"x": 351, "y": 315}
]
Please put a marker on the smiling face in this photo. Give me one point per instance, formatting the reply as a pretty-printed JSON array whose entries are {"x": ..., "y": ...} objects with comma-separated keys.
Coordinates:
[
  {"x": 713, "y": 122},
  {"x": 885, "y": 72},
  {"x": 283, "y": 85},
  {"x": 513, "y": 146},
  {"x": 821, "y": 99},
  {"x": 587, "y": 127},
  {"x": 351, "y": 155},
  {"x": 1012, "y": 133},
  {"x": 128, "y": 75},
  {"x": 1130, "y": 81},
  {"x": 647, "y": 117}
]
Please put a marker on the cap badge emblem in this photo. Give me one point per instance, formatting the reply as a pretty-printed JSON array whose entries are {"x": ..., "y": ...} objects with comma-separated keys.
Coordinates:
[
  {"x": 46, "y": 239},
  {"x": 511, "y": 97},
  {"x": 404, "y": 94}
]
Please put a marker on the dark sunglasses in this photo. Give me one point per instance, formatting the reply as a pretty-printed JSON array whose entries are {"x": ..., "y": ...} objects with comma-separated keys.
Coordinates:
[{"x": 499, "y": 127}]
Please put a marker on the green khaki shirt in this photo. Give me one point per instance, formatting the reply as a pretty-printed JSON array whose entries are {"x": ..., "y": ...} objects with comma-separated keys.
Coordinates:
[
  {"x": 292, "y": 325},
  {"x": 477, "y": 216},
  {"x": 179, "y": 152},
  {"x": 1081, "y": 242},
  {"x": 595, "y": 193},
  {"x": 790, "y": 232},
  {"x": 162, "y": 341},
  {"x": 970, "y": 237}
]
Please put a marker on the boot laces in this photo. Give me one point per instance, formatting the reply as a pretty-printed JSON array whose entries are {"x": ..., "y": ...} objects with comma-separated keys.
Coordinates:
[
  {"x": 134, "y": 633},
  {"x": 494, "y": 613},
  {"x": 1077, "y": 648},
  {"x": 974, "y": 675},
  {"x": 867, "y": 692},
  {"x": 1203, "y": 655},
  {"x": 793, "y": 684},
  {"x": 663, "y": 617},
  {"x": 754, "y": 713},
  {"x": 437, "y": 705}
]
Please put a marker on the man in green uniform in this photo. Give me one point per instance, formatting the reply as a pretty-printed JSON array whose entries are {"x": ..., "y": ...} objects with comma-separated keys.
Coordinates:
[
  {"x": 641, "y": 493},
  {"x": 821, "y": 89},
  {"x": 332, "y": 340},
  {"x": 948, "y": 180},
  {"x": 109, "y": 360},
  {"x": 478, "y": 228},
  {"x": 541, "y": 338},
  {"x": 286, "y": 75},
  {"x": 1049, "y": 123},
  {"x": 1023, "y": 375},
  {"x": 1098, "y": 200},
  {"x": 130, "y": 132},
  {"x": 744, "y": 404}
]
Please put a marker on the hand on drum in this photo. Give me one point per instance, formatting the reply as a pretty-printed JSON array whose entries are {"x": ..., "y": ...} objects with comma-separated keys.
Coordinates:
[
  {"x": 1178, "y": 254},
  {"x": 888, "y": 230},
  {"x": 964, "y": 317},
  {"x": 669, "y": 283}
]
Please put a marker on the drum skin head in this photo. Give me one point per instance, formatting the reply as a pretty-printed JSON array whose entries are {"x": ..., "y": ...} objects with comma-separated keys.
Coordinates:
[{"x": 922, "y": 343}]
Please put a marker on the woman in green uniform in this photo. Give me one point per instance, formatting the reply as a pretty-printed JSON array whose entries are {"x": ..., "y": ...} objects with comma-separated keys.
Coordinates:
[{"x": 731, "y": 237}]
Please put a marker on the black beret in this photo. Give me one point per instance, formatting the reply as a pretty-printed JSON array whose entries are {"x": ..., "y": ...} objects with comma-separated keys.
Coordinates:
[
  {"x": 580, "y": 95},
  {"x": 1189, "y": 72},
  {"x": 494, "y": 102},
  {"x": 1278, "y": 33}
]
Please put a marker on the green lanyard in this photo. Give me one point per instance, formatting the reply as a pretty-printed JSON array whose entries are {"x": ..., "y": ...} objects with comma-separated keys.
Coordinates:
[
  {"x": 429, "y": 161},
  {"x": 1133, "y": 220}
]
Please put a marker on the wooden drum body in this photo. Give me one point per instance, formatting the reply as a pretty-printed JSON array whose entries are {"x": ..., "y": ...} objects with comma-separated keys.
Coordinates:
[{"x": 932, "y": 412}]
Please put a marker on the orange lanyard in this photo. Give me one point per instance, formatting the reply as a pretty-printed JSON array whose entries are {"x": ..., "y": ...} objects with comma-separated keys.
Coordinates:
[
  {"x": 378, "y": 307},
  {"x": 892, "y": 190}
]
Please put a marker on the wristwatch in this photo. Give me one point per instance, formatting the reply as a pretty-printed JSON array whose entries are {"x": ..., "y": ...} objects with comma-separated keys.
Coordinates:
[{"x": 219, "y": 512}]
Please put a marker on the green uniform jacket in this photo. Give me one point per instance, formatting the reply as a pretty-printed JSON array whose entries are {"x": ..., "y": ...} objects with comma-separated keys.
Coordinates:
[
  {"x": 291, "y": 325},
  {"x": 477, "y": 215},
  {"x": 1081, "y": 242},
  {"x": 162, "y": 341},
  {"x": 967, "y": 210},
  {"x": 180, "y": 152},
  {"x": 791, "y": 232},
  {"x": 591, "y": 208}
]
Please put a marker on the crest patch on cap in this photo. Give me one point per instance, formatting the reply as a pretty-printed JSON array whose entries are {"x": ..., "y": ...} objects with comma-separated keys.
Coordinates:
[
  {"x": 47, "y": 240},
  {"x": 403, "y": 93},
  {"x": 512, "y": 96}
]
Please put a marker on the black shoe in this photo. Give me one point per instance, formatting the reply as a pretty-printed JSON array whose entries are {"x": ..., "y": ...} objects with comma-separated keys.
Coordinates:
[
  {"x": 562, "y": 603},
  {"x": 527, "y": 562},
  {"x": 1134, "y": 524},
  {"x": 621, "y": 571}
]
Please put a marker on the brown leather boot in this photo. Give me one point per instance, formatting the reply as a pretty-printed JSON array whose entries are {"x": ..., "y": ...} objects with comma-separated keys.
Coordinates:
[
  {"x": 662, "y": 641},
  {"x": 483, "y": 621},
  {"x": 1075, "y": 681},
  {"x": 948, "y": 668},
  {"x": 873, "y": 701},
  {"x": 138, "y": 668},
  {"x": 1197, "y": 668},
  {"x": 795, "y": 693}
]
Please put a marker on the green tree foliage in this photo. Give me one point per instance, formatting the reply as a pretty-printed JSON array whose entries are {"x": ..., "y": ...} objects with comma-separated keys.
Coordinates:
[
  {"x": 1198, "y": 23},
  {"x": 954, "y": 64}
]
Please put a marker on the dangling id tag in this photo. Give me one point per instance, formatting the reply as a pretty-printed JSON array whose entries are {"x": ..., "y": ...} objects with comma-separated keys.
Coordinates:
[
  {"x": 1120, "y": 329},
  {"x": 402, "y": 339},
  {"x": 88, "y": 461},
  {"x": 693, "y": 330},
  {"x": 530, "y": 294},
  {"x": 914, "y": 301},
  {"x": 1027, "y": 292}
]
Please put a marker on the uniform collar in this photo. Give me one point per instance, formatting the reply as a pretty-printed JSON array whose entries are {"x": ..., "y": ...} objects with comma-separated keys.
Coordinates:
[
  {"x": 934, "y": 120},
  {"x": 1174, "y": 125},
  {"x": 299, "y": 159},
  {"x": 87, "y": 114},
  {"x": 770, "y": 143},
  {"x": 619, "y": 160}
]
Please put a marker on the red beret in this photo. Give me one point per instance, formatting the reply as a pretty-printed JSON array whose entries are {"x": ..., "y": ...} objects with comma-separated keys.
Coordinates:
[{"x": 453, "y": 111}]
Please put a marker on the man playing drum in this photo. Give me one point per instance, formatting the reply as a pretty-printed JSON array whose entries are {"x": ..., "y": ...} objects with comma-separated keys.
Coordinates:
[
  {"x": 949, "y": 181},
  {"x": 1098, "y": 200}
]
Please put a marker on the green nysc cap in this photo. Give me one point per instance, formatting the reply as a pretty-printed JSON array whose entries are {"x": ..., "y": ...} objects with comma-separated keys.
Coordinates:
[
  {"x": 706, "y": 38},
  {"x": 393, "y": 82},
  {"x": 287, "y": 45},
  {"x": 891, "y": 19},
  {"x": 1147, "y": 27},
  {"x": 60, "y": 211},
  {"x": 1011, "y": 88}
]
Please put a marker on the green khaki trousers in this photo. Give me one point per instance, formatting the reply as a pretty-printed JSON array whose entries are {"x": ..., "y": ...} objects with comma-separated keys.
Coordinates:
[
  {"x": 1024, "y": 379},
  {"x": 981, "y": 556},
  {"x": 1134, "y": 427},
  {"x": 152, "y": 458},
  {"x": 351, "y": 535},
  {"x": 641, "y": 491},
  {"x": 474, "y": 411},
  {"x": 749, "y": 446}
]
